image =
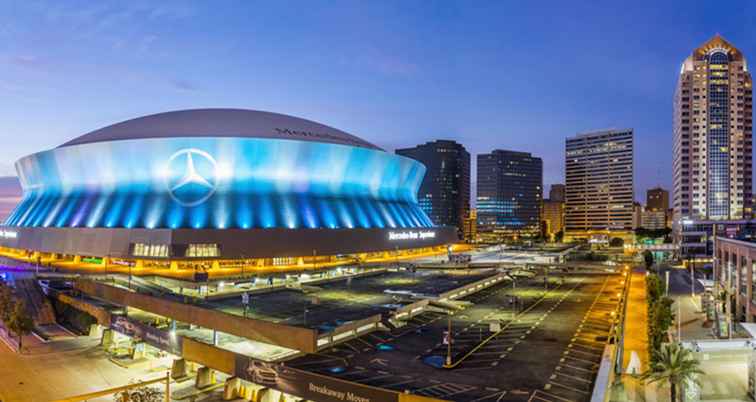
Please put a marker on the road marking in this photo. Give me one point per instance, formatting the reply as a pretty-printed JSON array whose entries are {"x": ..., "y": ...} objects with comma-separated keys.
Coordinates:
[
  {"x": 568, "y": 387},
  {"x": 574, "y": 378}
]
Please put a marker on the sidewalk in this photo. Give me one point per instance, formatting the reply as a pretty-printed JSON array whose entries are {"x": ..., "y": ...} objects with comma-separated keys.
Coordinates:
[
  {"x": 636, "y": 343},
  {"x": 691, "y": 320},
  {"x": 636, "y": 322},
  {"x": 60, "y": 369}
]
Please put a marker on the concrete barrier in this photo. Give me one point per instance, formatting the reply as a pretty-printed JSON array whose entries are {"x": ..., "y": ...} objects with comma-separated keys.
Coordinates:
[
  {"x": 605, "y": 376},
  {"x": 303, "y": 339},
  {"x": 410, "y": 310},
  {"x": 473, "y": 287},
  {"x": 349, "y": 331},
  {"x": 100, "y": 314}
]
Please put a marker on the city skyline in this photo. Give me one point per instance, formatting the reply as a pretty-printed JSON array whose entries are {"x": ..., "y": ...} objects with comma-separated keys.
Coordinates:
[
  {"x": 406, "y": 73},
  {"x": 386, "y": 201}
]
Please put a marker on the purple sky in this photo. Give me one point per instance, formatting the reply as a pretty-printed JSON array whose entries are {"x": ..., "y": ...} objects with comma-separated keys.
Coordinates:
[{"x": 501, "y": 74}]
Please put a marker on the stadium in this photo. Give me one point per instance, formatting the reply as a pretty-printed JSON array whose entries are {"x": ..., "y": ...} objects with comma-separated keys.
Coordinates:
[{"x": 216, "y": 187}]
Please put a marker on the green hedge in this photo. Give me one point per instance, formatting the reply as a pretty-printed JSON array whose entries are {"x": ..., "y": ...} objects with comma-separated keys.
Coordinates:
[{"x": 660, "y": 316}]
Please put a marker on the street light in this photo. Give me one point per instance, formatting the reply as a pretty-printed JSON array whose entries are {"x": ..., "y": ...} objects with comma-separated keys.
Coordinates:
[
  {"x": 449, "y": 340},
  {"x": 130, "y": 264}
]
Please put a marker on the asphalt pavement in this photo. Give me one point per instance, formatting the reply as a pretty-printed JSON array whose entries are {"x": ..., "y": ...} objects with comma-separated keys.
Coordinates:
[{"x": 552, "y": 346}]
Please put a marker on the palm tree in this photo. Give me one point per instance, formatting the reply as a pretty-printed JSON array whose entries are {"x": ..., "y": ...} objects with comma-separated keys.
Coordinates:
[{"x": 675, "y": 365}]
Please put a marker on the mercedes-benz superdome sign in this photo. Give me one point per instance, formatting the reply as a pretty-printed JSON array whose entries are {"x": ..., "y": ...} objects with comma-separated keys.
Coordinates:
[{"x": 411, "y": 235}]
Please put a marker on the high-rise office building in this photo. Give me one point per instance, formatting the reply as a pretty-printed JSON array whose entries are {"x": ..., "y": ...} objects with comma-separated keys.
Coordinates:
[
  {"x": 470, "y": 229},
  {"x": 657, "y": 199},
  {"x": 712, "y": 146},
  {"x": 637, "y": 215},
  {"x": 713, "y": 125},
  {"x": 553, "y": 217},
  {"x": 445, "y": 191},
  {"x": 653, "y": 219},
  {"x": 556, "y": 192},
  {"x": 510, "y": 190},
  {"x": 599, "y": 185}
]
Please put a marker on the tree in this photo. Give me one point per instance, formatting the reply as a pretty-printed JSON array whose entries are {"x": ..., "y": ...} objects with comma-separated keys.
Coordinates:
[
  {"x": 6, "y": 303},
  {"x": 616, "y": 242},
  {"x": 559, "y": 236},
  {"x": 660, "y": 319},
  {"x": 660, "y": 316},
  {"x": 648, "y": 259},
  {"x": 19, "y": 322},
  {"x": 676, "y": 365}
]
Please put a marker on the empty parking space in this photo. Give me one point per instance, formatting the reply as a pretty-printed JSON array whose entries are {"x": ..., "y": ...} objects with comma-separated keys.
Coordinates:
[{"x": 546, "y": 344}]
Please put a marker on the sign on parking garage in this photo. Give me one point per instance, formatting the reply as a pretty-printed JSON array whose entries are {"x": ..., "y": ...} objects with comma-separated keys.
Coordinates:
[
  {"x": 152, "y": 336},
  {"x": 309, "y": 386}
]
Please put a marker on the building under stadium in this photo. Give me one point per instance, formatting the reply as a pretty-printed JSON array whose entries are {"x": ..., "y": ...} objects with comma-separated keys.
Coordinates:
[{"x": 214, "y": 187}]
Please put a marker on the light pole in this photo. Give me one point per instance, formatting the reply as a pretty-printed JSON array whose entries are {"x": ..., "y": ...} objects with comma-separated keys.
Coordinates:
[
  {"x": 692, "y": 278},
  {"x": 449, "y": 341},
  {"x": 243, "y": 263}
]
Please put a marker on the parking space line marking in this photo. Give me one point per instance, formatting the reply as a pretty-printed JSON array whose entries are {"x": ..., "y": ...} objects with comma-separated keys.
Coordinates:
[{"x": 568, "y": 387}]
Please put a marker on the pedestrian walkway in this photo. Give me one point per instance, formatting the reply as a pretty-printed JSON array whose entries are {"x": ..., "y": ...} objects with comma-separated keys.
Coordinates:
[
  {"x": 636, "y": 323},
  {"x": 59, "y": 369},
  {"x": 690, "y": 321}
]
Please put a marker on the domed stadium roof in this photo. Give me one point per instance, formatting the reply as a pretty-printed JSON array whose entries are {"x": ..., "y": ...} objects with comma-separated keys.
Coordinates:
[{"x": 221, "y": 123}]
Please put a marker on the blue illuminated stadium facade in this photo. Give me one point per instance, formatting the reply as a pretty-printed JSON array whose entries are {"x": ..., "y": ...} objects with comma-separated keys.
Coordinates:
[
  {"x": 218, "y": 169},
  {"x": 252, "y": 183}
]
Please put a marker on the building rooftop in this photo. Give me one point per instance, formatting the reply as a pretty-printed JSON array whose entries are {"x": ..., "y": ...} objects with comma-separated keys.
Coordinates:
[{"x": 221, "y": 123}]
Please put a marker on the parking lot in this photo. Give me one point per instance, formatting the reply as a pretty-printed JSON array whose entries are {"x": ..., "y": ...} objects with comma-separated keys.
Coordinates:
[
  {"x": 547, "y": 348},
  {"x": 328, "y": 305}
]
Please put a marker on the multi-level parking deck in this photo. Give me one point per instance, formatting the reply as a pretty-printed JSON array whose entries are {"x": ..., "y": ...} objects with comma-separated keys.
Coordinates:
[
  {"x": 547, "y": 346},
  {"x": 513, "y": 338}
]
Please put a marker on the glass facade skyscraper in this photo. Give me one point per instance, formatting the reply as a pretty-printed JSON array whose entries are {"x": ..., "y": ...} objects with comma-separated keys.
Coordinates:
[
  {"x": 712, "y": 146},
  {"x": 510, "y": 190},
  {"x": 444, "y": 193},
  {"x": 713, "y": 126}
]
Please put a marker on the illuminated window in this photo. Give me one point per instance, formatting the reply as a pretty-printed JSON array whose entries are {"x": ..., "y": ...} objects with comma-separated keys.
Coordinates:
[
  {"x": 284, "y": 261},
  {"x": 203, "y": 250},
  {"x": 149, "y": 250}
]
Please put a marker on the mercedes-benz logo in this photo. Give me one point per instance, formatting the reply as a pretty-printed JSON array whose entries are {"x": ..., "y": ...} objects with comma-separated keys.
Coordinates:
[{"x": 192, "y": 176}]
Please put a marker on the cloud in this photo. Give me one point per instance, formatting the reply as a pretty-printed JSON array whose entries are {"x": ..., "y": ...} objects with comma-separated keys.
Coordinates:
[
  {"x": 7, "y": 171},
  {"x": 392, "y": 65},
  {"x": 172, "y": 11},
  {"x": 385, "y": 63},
  {"x": 26, "y": 61},
  {"x": 185, "y": 86}
]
